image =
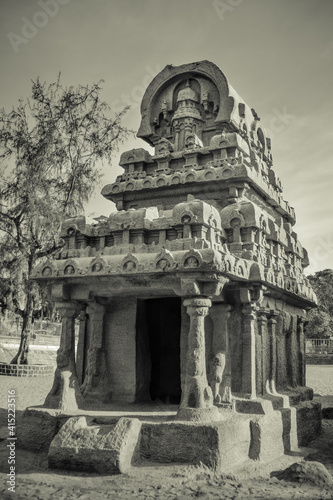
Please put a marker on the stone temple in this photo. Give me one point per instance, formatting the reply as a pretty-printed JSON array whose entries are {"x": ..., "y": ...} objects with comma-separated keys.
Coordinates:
[{"x": 191, "y": 295}]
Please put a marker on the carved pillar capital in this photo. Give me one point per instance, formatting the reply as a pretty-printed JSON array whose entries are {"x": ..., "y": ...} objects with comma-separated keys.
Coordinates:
[
  {"x": 68, "y": 309},
  {"x": 197, "y": 306},
  {"x": 95, "y": 309},
  {"x": 262, "y": 314}
]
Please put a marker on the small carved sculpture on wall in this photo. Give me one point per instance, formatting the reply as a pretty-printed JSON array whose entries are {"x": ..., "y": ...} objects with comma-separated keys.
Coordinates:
[
  {"x": 192, "y": 141},
  {"x": 163, "y": 147},
  {"x": 216, "y": 375}
]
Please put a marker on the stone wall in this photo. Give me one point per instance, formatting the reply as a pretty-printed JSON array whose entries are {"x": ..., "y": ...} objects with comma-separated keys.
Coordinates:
[{"x": 120, "y": 330}]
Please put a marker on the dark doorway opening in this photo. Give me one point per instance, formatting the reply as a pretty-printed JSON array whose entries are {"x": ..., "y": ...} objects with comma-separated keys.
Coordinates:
[{"x": 163, "y": 322}]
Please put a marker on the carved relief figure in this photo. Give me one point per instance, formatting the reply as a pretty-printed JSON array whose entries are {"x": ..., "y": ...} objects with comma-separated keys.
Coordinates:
[{"x": 216, "y": 375}]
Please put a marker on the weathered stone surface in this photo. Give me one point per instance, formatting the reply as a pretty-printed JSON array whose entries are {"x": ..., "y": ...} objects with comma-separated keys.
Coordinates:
[
  {"x": 266, "y": 437},
  {"x": 84, "y": 446},
  {"x": 38, "y": 427},
  {"x": 308, "y": 421},
  {"x": 217, "y": 445},
  {"x": 289, "y": 422},
  {"x": 313, "y": 473}
]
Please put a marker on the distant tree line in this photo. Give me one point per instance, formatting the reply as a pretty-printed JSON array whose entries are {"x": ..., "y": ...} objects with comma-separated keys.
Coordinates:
[{"x": 320, "y": 319}]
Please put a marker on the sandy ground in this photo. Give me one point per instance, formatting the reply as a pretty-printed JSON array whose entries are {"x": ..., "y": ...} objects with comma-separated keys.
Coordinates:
[{"x": 35, "y": 481}]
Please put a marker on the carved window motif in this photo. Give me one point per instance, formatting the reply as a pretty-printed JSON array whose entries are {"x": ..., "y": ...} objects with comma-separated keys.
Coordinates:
[
  {"x": 97, "y": 267},
  {"x": 261, "y": 139},
  {"x": 191, "y": 262},
  {"x": 47, "y": 271},
  {"x": 163, "y": 264},
  {"x": 69, "y": 270},
  {"x": 129, "y": 266},
  {"x": 186, "y": 219}
]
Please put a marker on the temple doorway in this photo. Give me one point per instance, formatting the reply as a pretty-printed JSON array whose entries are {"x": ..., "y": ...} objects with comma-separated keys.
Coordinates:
[{"x": 159, "y": 324}]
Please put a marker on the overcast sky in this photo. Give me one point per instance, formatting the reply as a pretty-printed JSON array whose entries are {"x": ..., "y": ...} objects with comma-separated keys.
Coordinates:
[{"x": 277, "y": 54}]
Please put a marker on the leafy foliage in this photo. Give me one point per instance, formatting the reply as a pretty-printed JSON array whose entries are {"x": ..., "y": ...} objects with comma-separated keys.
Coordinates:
[
  {"x": 51, "y": 150},
  {"x": 321, "y": 319}
]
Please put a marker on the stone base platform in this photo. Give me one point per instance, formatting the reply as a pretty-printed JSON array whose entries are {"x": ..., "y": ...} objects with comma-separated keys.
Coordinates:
[{"x": 110, "y": 442}]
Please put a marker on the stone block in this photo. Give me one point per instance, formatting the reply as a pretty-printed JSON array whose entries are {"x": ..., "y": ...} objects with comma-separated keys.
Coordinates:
[
  {"x": 37, "y": 428},
  {"x": 289, "y": 423},
  {"x": 308, "y": 421},
  {"x": 256, "y": 406},
  {"x": 266, "y": 437},
  {"x": 216, "y": 445},
  {"x": 84, "y": 446}
]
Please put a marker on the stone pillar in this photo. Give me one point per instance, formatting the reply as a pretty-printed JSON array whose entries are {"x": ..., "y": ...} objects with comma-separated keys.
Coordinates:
[
  {"x": 264, "y": 355},
  {"x": 221, "y": 362},
  {"x": 271, "y": 388},
  {"x": 95, "y": 325},
  {"x": 292, "y": 354},
  {"x": 65, "y": 393},
  {"x": 249, "y": 352},
  {"x": 301, "y": 347},
  {"x": 197, "y": 398},
  {"x": 80, "y": 349}
]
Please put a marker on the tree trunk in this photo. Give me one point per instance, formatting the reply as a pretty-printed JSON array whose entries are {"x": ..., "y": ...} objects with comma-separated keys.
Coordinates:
[{"x": 21, "y": 358}]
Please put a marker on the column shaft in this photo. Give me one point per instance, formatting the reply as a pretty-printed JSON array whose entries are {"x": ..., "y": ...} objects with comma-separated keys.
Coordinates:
[
  {"x": 95, "y": 314},
  {"x": 197, "y": 397},
  {"x": 249, "y": 352},
  {"x": 65, "y": 393},
  {"x": 273, "y": 364}
]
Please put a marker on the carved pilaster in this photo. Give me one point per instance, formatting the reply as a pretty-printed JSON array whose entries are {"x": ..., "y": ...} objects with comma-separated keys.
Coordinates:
[
  {"x": 197, "y": 397},
  {"x": 65, "y": 393},
  {"x": 301, "y": 343},
  {"x": 95, "y": 314},
  {"x": 81, "y": 346},
  {"x": 271, "y": 387},
  {"x": 262, "y": 354},
  {"x": 293, "y": 358},
  {"x": 249, "y": 352}
]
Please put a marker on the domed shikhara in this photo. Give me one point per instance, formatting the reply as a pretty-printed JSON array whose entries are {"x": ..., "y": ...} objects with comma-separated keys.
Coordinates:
[
  {"x": 201, "y": 228},
  {"x": 195, "y": 97}
]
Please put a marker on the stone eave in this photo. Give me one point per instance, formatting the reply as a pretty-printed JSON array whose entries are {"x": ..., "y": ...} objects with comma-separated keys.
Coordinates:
[
  {"x": 211, "y": 266},
  {"x": 228, "y": 175}
]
